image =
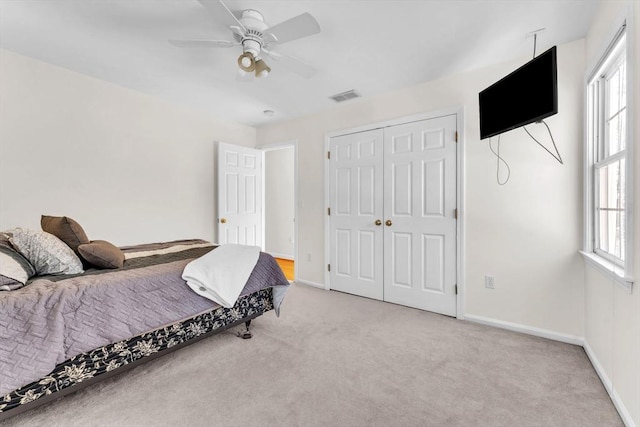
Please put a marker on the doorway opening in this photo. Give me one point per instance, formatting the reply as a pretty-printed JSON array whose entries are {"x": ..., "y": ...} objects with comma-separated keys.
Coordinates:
[{"x": 280, "y": 207}]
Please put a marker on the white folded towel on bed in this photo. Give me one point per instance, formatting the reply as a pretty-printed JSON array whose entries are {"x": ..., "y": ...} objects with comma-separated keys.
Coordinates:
[{"x": 221, "y": 274}]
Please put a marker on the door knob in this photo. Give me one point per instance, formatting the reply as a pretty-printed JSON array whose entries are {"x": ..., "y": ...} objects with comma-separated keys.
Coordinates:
[
  {"x": 388, "y": 223},
  {"x": 223, "y": 220},
  {"x": 378, "y": 222}
]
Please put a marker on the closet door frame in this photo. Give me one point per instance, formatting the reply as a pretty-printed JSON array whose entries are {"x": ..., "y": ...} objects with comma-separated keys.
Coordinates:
[{"x": 460, "y": 225}]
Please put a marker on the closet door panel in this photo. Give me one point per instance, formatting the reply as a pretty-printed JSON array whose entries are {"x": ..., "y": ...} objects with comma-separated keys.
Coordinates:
[
  {"x": 420, "y": 203},
  {"x": 433, "y": 265},
  {"x": 355, "y": 180},
  {"x": 401, "y": 196},
  {"x": 433, "y": 188}
]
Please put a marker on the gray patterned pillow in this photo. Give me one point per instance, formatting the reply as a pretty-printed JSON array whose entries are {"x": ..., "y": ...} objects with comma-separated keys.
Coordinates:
[{"x": 47, "y": 253}]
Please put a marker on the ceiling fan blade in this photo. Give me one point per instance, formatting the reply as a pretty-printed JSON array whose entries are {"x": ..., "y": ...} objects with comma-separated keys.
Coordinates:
[
  {"x": 292, "y": 29},
  {"x": 222, "y": 13},
  {"x": 292, "y": 64},
  {"x": 203, "y": 43}
]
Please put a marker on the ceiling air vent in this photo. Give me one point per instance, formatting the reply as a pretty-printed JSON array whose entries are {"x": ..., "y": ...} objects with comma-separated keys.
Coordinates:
[{"x": 345, "y": 96}]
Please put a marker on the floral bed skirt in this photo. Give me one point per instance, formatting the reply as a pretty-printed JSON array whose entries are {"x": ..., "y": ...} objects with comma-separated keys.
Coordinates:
[{"x": 110, "y": 357}]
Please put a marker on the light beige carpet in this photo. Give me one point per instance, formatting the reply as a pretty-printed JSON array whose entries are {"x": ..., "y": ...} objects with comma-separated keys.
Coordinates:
[{"x": 334, "y": 359}]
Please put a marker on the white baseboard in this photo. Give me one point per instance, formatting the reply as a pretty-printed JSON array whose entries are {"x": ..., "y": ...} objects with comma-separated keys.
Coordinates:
[
  {"x": 606, "y": 382},
  {"x": 530, "y": 330},
  {"x": 306, "y": 282},
  {"x": 622, "y": 410},
  {"x": 608, "y": 385}
]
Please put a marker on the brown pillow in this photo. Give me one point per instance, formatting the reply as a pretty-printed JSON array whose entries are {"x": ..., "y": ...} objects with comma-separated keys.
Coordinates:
[
  {"x": 65, "y": 229},
  {"x": 102, "y": 254}
]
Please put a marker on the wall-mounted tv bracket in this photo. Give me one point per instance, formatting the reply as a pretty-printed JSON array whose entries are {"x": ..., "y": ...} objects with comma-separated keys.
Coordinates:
[
  {"x": 556, "y": 156},
  {"x": 534, "y": 34}
]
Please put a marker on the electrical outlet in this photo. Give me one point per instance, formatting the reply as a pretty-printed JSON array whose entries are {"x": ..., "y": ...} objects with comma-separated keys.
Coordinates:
[
  {"x": 309, "y": 257},
  {"x": 489, "y": 282}
]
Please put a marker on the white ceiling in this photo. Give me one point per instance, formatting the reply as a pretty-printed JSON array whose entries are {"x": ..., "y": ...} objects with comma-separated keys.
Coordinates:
[{"x": 371, "y": 46}]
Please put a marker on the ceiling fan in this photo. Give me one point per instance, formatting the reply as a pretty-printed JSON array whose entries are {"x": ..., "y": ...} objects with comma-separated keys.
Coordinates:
[{"x": 257, "y": 38}]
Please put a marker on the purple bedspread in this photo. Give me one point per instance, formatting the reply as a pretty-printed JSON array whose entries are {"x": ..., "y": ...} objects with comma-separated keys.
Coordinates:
[{"x": 47, "y": 322}]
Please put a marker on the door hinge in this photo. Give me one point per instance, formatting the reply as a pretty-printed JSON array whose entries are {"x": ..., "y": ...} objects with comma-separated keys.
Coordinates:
[
  {"x": 328, "y": 154},
  {"x": 456, "y": 136},
  {"x": 455, "y": 213},
  {"x": 329, "y": 211},
  {"x": 455, "y": 287},
  {"x": 328, "y": 267}
]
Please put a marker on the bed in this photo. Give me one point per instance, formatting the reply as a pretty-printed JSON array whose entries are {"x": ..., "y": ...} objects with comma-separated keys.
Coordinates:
[{"x": 62, "y": 332}]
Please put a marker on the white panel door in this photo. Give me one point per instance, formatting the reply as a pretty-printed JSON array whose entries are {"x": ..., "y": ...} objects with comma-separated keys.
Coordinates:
[
  {"x": 355, "y": 222},
  {"x": 419, "y": 214},
  {"x": 239, "y": 195}
]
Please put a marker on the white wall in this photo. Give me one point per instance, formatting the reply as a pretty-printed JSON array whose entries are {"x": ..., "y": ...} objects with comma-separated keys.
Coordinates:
[
  {"x": 128, "y": 167},
  {"x": 279, "y": 201},
  {"x": 527, "y": 233},
  {"x": 612, "y": 315}
]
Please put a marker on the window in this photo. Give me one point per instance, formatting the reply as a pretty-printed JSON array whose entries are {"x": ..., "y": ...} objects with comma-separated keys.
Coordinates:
[
  {"x": 610, "y": 107},
  {"x": 607, "y": 137}
]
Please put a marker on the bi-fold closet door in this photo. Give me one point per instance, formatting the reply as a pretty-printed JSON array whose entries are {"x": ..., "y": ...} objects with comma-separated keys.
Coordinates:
[{"x": 392, "y": 222}]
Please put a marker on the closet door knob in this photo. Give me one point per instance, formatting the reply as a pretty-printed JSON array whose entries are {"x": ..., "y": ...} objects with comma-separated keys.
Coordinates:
[
  {"x": 388, "y": 223},
  {"x": 378, "y": 222},
  {"x": 223, "y": 220}
]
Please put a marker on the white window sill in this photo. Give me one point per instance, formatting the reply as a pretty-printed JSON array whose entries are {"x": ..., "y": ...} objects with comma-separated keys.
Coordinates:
[{"x": 609, "y": 269}]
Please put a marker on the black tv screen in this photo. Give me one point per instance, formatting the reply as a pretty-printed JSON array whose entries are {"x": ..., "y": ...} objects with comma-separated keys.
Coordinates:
[{"x": 527, "y": 95}]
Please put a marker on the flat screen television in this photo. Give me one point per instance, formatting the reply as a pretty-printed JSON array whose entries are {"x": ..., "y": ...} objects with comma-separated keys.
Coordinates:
[{"x": 527, "y": 95}]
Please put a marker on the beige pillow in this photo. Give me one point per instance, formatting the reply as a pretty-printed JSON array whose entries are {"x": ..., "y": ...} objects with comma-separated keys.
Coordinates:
[
  {"x": 65, "y": 229},
  {"x": 102, "y": 254}
]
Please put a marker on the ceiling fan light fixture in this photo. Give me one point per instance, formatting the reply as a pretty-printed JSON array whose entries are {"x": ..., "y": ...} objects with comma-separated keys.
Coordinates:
[
  {"x": 262, "y": 69},
  {"x": 246, "y": 62},
  {"x": 257, "y": 38}
]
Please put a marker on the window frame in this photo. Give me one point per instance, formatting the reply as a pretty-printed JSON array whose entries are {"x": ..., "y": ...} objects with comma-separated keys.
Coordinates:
[
  {"x": 621, "y": 271},
  {"x": 602, "y": 144}
]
